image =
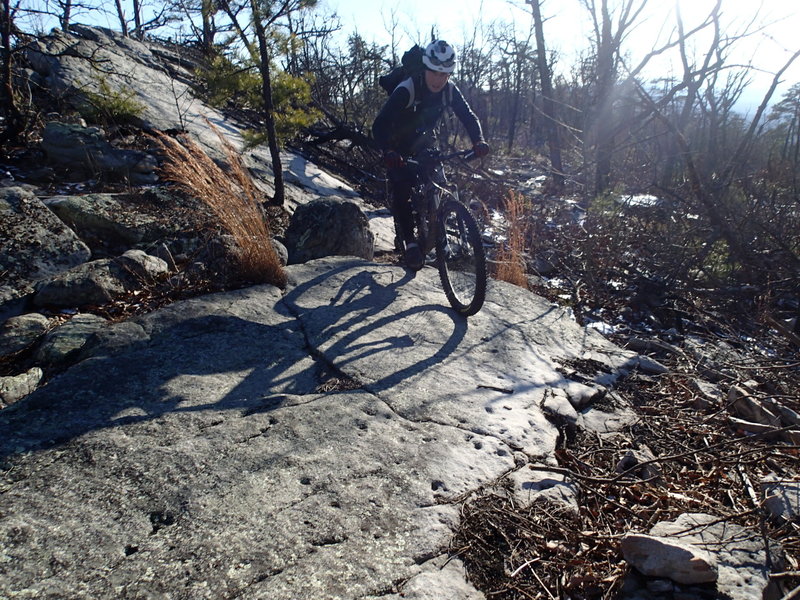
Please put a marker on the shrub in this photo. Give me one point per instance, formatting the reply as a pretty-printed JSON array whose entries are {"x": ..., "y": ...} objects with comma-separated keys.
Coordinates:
[
  {"x": 229, "y": 82},
  {"x": 111, "y": 106},
  {"x": 291, "y": 97},
  {"x": 510, "y": 256},
  {"x": 233, "y": 198},
  {"x": 239, "y": 83}
]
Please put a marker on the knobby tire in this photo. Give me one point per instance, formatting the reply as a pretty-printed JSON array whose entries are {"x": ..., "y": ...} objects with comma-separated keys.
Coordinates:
[{"x": 460, "y": 258}]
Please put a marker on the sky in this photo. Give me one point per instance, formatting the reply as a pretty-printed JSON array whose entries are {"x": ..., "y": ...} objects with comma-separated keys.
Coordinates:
[{"x": 567, "y": 28}]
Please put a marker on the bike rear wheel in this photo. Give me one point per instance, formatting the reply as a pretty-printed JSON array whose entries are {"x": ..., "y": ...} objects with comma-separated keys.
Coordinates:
[{"x": 460, "y": 258}]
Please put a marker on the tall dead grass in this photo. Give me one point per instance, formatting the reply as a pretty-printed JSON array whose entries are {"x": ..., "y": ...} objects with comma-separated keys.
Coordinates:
[
  {"x": 232, "y": 197},
  {"x": 510, "y": 256}
]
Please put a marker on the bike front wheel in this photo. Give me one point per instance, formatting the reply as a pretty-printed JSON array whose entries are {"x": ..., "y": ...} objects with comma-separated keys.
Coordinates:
[{"x": 460, "y": 258}]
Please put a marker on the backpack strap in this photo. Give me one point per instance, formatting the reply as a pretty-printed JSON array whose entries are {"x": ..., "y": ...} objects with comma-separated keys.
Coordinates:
[{"x": 410, "y": 85}]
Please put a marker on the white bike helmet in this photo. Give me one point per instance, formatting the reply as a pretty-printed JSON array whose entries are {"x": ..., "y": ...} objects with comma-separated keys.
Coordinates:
[{"x": 440, "y": 56}]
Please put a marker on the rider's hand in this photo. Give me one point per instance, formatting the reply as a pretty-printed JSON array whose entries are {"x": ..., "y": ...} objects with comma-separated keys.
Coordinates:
[
  {"x": 393, "y": 160},
  {"x": 481, "y": 149}
]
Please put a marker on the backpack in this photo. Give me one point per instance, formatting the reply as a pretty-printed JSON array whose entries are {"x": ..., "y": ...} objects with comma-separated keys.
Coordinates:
[{"x": 411, "y": 67}]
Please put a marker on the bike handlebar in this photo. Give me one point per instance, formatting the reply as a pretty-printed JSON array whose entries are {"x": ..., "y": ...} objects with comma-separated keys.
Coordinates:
[{"x": 465, "y": 154}]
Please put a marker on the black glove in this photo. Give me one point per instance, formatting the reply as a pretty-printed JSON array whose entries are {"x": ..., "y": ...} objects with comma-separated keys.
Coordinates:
[
  {"x": 393, "y": 160},
  {"x": 481, "y": 149}
]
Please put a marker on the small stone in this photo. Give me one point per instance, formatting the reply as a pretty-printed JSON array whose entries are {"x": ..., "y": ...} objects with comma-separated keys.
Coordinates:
[
  {"x": 782, "y": 499},
  {"x": 13, "y": 389},
  {"x": 632, "y": 460},
  {"x": 668, "y": 557}
]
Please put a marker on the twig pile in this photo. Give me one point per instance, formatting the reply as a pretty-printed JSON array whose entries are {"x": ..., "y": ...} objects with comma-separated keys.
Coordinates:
[{"x": 545, "y": 551}]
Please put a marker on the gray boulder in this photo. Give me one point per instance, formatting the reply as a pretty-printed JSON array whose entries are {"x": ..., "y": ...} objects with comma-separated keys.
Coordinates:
[
  {"x": 670, "y": 558},
  {"x": 115, "y": 338},
  {"x": 34, "y": 243},
  {"x": 281, "y": 251},
  {"x": 329, "y": 227},
  {"x": 100, "y": 281},
  {"x": 143, "y": 267},
  {"x": 694, "y": 542},
  {"x": 75, "y": 147},
  {"x": 21, "y": 332},
  {"x": 106, "y": 216},
  {"x": 62, "y": 343},
  {"x": 744, "y": 403}
]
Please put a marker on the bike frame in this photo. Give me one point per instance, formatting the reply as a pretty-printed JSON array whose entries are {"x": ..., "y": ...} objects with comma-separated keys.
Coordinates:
[{"x": 426, "y": 195}]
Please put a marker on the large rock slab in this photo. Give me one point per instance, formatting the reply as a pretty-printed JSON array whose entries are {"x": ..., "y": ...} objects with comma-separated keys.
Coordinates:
[
  {"x": 392, "y": 330},
  {"x": 128, "y": 65},
  {"x": 205, "y": 462}
]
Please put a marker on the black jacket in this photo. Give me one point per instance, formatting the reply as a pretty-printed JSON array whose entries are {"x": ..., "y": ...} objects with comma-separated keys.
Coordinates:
[{"x": 410, "y": 129}]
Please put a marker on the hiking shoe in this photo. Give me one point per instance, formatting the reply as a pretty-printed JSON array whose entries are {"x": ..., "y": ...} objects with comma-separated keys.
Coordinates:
[{"x": 414, "y": 258}]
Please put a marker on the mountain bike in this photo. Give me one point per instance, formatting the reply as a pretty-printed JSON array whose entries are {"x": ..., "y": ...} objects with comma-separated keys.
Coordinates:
[{"x": 445, "y": 225}]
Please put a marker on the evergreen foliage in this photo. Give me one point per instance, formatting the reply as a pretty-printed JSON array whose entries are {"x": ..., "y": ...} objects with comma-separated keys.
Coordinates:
[{"x": 110, "y": 105}]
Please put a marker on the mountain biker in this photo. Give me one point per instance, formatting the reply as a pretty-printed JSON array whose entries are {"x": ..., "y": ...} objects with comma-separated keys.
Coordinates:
[{"x": 407, "y": 124}]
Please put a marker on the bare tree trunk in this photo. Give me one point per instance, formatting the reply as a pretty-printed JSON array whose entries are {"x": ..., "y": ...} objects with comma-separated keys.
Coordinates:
[
  {"x": 269, "y": 106},
  {"x": 548, "y": 106},
  {"x": 123, "y": 24},
  {"x": 207, "y": 15},
  {"x": 514, "y": 112},
  {"x": 137, "y": 20},
  {"x": 693, "y": 79},
  {"x": 65, "y": 15},
  {"x": 13, "y": 116},
  {"x": 602, "y": 125}
]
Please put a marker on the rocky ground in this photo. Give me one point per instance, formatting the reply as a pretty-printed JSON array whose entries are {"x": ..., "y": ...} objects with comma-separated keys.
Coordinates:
[
  {"x": 704, "y": 439},
  {"x": 710, "y": 433}
]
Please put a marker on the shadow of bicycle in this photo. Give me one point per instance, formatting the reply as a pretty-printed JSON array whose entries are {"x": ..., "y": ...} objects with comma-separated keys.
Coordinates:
[{"x": 230, "y": 353}]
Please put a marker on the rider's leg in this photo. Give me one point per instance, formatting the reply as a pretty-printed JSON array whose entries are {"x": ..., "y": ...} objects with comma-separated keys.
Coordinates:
[{"x": 404, "y": 220}]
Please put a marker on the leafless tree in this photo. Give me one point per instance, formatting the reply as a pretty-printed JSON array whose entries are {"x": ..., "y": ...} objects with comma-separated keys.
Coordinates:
[
  {"x": 123, "y": 20},
  {"x": 712, "y": 148},
  {"x": 608, "y": 41},
  {"x": 548, "y": 103}
]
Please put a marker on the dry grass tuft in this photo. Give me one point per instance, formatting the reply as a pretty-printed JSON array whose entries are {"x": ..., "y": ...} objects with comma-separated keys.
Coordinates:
[
  {"x": 510, "y": 260},
  {"x": 233, "y": 198}
]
